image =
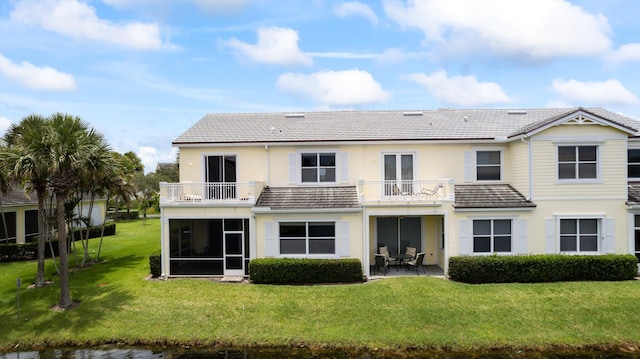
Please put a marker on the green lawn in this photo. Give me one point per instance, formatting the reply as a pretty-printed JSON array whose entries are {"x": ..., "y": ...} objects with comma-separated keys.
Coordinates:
[{"x": 119, "y": 305}]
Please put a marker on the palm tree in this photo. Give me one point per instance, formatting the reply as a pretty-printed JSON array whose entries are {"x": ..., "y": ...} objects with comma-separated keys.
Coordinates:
[
  {"x": 5, "y": 186},
  {"x": 28, "y": 164},
  {"x": 73, "y": 146}
]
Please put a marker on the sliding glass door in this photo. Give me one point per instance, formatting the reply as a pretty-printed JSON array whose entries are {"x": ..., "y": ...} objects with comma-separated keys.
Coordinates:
[{"x": 398, "y": 233}]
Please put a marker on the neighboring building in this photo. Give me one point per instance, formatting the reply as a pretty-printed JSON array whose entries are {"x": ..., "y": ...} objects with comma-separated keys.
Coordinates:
[
  {"x": 21, "y": 214},
  {"x": 449, "y": 182}
]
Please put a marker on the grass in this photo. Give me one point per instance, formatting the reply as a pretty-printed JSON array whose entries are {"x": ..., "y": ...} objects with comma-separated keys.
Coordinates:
[{"x": 119, "y": 305}]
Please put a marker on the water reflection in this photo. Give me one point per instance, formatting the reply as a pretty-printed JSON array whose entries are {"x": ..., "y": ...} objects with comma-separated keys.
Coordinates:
[{"x": 300, "y": 354}]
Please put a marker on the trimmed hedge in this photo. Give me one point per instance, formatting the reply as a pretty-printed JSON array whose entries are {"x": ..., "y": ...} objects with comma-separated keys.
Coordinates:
[
  {"x": 29, "y": 251},
  {"x": 305, "y": 271},
  {"x": 154, "y": 264},
  {"x": 543, "y": 268}
]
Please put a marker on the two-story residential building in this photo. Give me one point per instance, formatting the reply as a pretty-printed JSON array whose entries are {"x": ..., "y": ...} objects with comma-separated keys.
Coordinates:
[{"x": 448, "y": 182}]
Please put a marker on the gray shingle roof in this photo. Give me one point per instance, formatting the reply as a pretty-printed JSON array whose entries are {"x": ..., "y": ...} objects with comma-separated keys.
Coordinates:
[
  {"x": 18, "y": 197},
  {"x": 308, "y": 197},
  {"x": 489, "y": 196},
  {"x": 442, "y": 124}
]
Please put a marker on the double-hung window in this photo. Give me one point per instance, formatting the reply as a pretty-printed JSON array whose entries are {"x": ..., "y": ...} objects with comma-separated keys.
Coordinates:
[
  {"x": 633, "y": 163},
  {"x": 304, "y": 238},
  {"x": 318, "y": 167},
  {"x": 492, "y": 235},
  {"x": 579, "y": 234},
  {"x": 488, "y": 165},
  {"x": 577, "y": 162}
]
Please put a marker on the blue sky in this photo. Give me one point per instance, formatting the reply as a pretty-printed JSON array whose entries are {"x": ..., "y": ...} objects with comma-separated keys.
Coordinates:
[{"x": 143, "y": 71}]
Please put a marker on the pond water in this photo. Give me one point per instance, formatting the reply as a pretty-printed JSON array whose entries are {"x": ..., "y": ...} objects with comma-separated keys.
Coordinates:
[{"x": 136, "y": 353}]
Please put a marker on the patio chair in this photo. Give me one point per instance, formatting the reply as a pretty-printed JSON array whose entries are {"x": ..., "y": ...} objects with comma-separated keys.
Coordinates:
[
  {"x": 384, "y": 250},
  {"x": 435, "y": 192},
  {"x": 411, "y": 251},
  {"x": 381, "y": 262},
  {"x": 417, "y": 263}
]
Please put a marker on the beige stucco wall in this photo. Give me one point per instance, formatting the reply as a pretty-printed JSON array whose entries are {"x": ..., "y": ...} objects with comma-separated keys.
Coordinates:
[{"x": 251, "y": 162}]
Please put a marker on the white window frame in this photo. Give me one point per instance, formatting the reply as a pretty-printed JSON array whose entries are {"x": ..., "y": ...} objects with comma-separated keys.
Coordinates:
[
  {"x": 597, "y": 179},
  {"x": 492, "y": 235},
  {"x": 306, "y": 238},
  {"x": 636, "y": 147},
  {"x": 476, "y": 165},
  {"x": 600, "y": 235},
  {"x": 318, "y": 152}
]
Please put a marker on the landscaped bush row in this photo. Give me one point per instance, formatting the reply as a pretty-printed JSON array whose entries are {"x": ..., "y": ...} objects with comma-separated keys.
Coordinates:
[
  {"x": 305, "y": 271},
  {"x": 29, "y": 251},
  {"x": 123, "y": 214},
  {"x": 154, "y": 264},
  {"x": 543, "y": 268}
]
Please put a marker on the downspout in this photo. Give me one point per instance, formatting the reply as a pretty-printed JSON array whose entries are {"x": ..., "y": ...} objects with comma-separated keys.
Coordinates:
[
  {"x": 266, "y": 149},
  {"x": 530, "y": 196}
]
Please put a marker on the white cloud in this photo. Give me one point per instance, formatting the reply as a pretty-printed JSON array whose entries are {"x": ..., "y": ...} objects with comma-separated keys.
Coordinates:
[
  {"x": 5, "y": 123},
  {"x": 626, "y": 53},
  {"x": 337, "y": 88},
  {"x": 540, "y": 29},
  {"x": 214, "y": 6},
  {"x": 34, "y": 77},
  {"x": 358, "y": 9},
  {"x": 609, "y": 92},
  {"x": 460, "y": 90},
  {"x": 79, "y": 20},
  {"x": 397, "y": 55},
  {"x": 276, "y": 45},
  {"x": 149, "y": 157}
]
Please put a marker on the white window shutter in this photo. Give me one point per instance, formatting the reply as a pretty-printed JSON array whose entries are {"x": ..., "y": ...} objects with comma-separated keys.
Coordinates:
[
  {"x": 269, "y": 240},
  {"x": 344, "y": 240},
  {"x": 465, "y": 245},
  {"x": 293, "y": 168},
  {"x": 468, "y": 166},
  {"x": 609, "y": 236},
  {"x": 344, "y": 167},
  {"x": 550, "y": 235},
  {"x": 521, "y": 236}
]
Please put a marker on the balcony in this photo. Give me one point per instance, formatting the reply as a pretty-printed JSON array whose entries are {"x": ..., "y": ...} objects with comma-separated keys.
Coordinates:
[
  {"x": 210, "y": 192},
  {"x": 418, "y": 191}
]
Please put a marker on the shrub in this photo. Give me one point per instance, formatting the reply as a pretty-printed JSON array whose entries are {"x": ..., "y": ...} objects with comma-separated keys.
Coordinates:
[
  {"x": 542, "y": 268},
  {"x": 29, "y": 251},
  {"x": 305, "y": 271},
  {"x": 154, "y": 264}
]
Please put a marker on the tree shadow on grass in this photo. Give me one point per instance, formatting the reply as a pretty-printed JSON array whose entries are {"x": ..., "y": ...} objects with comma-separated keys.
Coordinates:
[{"x": 90, "y": 287}]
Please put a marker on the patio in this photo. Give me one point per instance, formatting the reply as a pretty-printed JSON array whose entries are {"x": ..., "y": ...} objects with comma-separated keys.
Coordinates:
[{"x": 401, "y": 271}]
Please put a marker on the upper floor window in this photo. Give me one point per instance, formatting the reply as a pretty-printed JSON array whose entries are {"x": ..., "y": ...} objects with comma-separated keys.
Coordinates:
[
  {"x": 577, "y": 162},
  {"x": 307, "y": 238},
  {"x": 318, "y": 167},
  {"x": 633, "y": 163},
  {"x": 488, "y": 165},
  {"x": 579, "y": 234},
  {"x": 492, "y": 235}
]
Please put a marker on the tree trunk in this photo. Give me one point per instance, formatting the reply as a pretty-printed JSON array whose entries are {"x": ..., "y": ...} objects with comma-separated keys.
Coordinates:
[
  {"x": 65, "y": 297},
  {"x": 41, "y": 240}
]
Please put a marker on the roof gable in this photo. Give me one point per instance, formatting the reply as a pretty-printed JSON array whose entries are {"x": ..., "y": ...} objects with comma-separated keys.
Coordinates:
[{"x": 579, "y": 116}]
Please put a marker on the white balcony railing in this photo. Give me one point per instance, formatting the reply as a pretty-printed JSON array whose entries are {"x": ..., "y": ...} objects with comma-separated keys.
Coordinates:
[
  {"x": 435, "y": 190},
  {"x": 193, "y": 192}
]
